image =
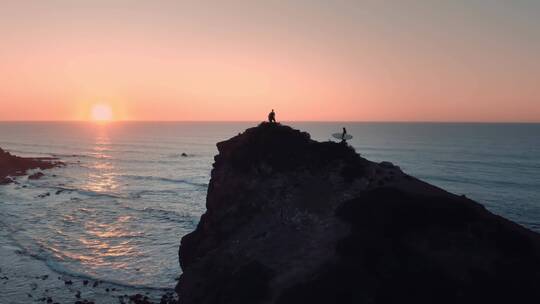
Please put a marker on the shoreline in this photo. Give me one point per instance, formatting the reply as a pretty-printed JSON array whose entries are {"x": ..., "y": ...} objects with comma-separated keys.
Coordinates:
[{"x": 26, "y": 279}]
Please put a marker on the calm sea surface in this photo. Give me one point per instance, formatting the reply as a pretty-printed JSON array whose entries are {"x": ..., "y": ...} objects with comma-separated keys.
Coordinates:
[{"x": 117, "y": 211}]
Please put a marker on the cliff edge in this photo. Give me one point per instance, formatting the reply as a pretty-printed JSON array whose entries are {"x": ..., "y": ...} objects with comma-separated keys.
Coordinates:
[{"x": 292, "y": 220}]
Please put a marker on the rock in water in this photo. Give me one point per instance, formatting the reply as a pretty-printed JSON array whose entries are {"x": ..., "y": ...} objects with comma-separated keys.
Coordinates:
[
  {"x": 5, "y": 180},
  {"x": 292, "y": 220},
  {"x": 11, "y": 165},
  {"x": 36, "y": 175}
]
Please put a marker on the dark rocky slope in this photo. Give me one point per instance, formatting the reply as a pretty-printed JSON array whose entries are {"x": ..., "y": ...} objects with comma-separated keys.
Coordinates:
[
  {"x": 11, "y": 165},
  {"x": 291, "y": 220}
]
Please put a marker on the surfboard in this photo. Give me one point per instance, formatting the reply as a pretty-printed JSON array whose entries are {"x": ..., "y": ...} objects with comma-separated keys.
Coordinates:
[{"x": 339, "y": 135}]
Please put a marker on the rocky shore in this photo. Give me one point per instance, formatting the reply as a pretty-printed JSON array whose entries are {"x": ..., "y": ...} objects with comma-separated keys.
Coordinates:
[
  {"x": 27, "y": 279},
  {"x": 11, "y": 166},
  {"x": 292, "y": 220},
  {"x": 24, "y": 279}
]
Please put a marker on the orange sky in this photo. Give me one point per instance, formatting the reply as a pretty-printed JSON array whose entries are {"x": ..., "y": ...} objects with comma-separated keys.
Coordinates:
[{"x": 309, "y": 60}]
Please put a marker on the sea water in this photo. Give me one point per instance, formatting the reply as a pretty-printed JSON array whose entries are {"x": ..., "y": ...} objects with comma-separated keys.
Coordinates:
[{"x": 118, "y": 209}]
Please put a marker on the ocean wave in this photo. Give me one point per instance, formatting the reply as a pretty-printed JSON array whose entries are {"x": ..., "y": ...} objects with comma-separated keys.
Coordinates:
[
  {"x": 484, "y": 182},
  {"x": 65, "y": 266},
  {"x": 169, "y": 215},
  {"x": 141, "y": 193},
  {"x": 46, "y": 256},
  {"x": 180, "y": 217},
  {"x": 490, "y": 163},
  {"x": 89, "y": 193},
  {"x": 130, "y": 161},
  {"x": 64, "y": 155},
  {"x": 163, "y": 179}
]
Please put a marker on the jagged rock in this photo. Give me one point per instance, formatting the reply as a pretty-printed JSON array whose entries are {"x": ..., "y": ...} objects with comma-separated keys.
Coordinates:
[
  {"x": 291, "y": 220},
  {"x": 11, "y": 165}
]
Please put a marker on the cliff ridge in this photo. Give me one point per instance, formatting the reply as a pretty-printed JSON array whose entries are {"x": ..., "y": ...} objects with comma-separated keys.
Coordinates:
[{"x": 293, "y": 220}]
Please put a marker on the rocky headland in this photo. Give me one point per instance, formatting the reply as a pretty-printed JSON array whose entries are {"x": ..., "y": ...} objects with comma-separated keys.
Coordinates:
[
  {"x": 11, "y": 166},
  {"x": 292, "y": 220}
]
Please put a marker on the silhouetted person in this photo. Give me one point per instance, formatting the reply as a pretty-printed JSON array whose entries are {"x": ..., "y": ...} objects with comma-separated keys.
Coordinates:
[
  {"x": 272, "y": 116},
  {"x": 343, "y": 135}
]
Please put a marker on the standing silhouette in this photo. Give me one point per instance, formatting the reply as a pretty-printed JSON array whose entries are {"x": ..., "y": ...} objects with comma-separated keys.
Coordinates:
[
  {"x": 343, "y": 135},
  {"x": 272, "y": 116}
]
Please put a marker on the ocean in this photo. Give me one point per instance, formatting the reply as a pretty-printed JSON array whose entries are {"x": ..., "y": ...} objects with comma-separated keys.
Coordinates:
[{"x": 117, "y": 211}]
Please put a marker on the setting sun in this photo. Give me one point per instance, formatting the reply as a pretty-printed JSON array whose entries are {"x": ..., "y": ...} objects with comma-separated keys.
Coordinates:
[{"x": 101, "y": 113}]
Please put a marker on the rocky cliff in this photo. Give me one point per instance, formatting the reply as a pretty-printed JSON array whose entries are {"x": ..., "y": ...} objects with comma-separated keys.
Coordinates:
[
  {"x": 292, "y": 220},
  {"x": 11, "y": 165}
]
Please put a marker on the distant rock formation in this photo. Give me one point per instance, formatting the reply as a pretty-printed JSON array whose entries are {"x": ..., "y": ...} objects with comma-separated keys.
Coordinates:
[
  {"x": 292, "y": 220},
  {"x": 11, "y": 165}
]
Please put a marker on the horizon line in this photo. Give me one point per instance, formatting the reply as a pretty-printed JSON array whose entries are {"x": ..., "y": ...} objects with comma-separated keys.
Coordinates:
[{"x": 284, "y": 121}]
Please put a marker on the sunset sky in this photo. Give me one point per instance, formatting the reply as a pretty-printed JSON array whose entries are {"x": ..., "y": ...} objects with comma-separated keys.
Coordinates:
[{"x": 236, "y": 60}]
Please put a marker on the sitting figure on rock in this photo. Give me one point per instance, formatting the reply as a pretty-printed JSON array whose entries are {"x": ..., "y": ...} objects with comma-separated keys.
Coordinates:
[{"x": 272, "y": 117}]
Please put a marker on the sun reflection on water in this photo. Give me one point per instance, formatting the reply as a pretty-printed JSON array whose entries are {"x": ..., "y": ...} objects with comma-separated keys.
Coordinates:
[
  {"x": 107, "y": 241},
  {"x": 102, "y": 179}
]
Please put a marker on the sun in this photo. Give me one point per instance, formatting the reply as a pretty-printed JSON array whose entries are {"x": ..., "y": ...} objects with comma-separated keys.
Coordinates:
[{"x": 101, "y": 113}]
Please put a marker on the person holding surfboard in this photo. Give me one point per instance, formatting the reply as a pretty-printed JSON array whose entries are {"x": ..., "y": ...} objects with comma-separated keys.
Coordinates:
[
  {"x": 272, "y": 116},
  {"x": 343, "y": 136}
]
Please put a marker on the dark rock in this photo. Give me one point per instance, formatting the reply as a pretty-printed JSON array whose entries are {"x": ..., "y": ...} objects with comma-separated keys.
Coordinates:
[
  {"x": 36, "y": 175},
  {"x": 291, "y": 220},
  {"x": 11, "y": 165},
  {"x": 68, "y": 282},
  {"x": 387, "y": 165},
  {"x": 168, "y": 298},
  {"x": 44, "y": 195},
  {"x": 183, "y": 155},
  {"x": 139, "y": 299},
  {"x": 5, "y": 180},
  {"x": 85, "y": 282}
]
